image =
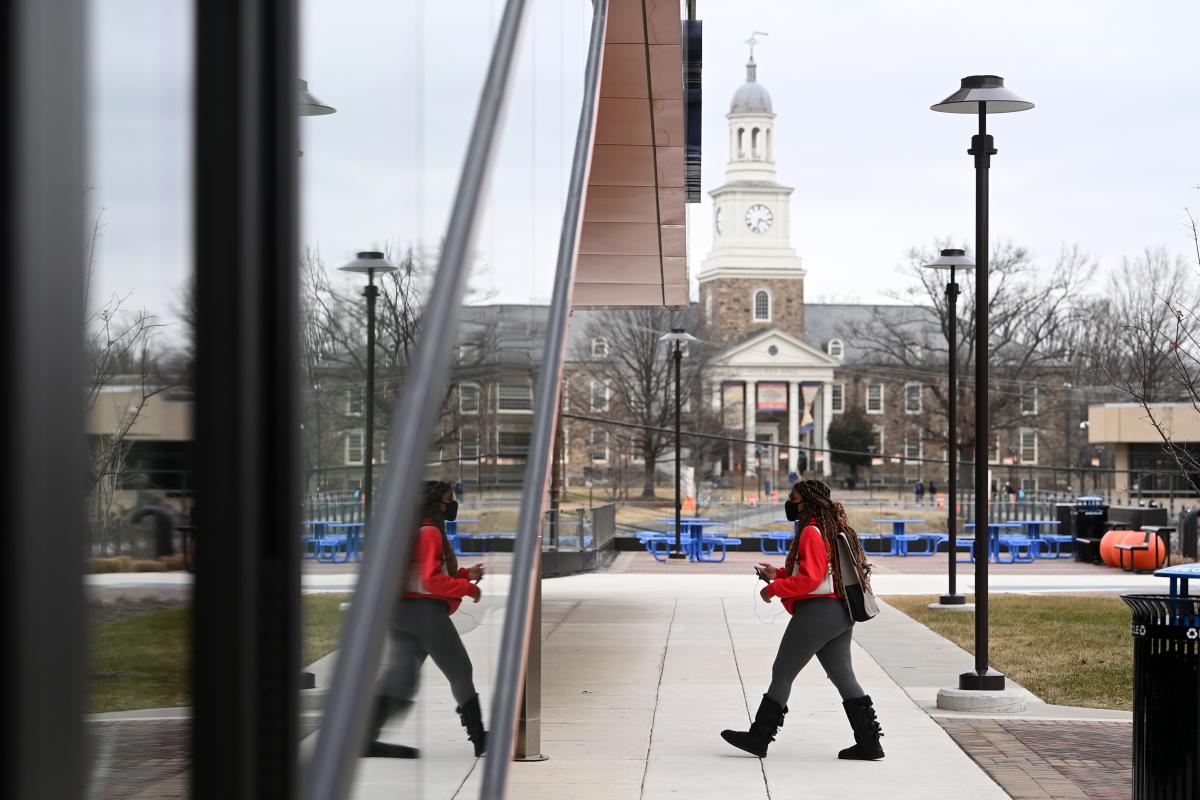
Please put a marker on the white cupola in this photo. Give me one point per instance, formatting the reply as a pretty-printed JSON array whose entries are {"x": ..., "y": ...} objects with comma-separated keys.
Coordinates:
[{"x": 751, "y": 130}]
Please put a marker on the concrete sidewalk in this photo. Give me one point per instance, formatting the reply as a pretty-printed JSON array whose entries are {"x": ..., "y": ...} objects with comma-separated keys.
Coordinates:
[{"x": 639, "y": 678}]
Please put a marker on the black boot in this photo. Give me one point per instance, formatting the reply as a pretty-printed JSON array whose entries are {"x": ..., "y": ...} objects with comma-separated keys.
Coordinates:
[
  {"x": 385, "y": 708},
  {"x": 767, "y": 723},
  {"x": 861, "y": 714},
  {"x": 472, "y": 719}
]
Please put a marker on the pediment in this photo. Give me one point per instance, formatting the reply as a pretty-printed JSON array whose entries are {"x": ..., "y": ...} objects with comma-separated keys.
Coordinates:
[{"x": 788, "y": 351}]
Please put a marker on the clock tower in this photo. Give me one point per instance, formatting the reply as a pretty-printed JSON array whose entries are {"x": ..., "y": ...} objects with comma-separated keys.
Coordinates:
[{"x": 752, "y": 280}]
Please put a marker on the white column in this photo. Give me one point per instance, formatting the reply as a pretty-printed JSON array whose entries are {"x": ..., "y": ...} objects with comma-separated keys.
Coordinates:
[
  {"x": 751, "y": 415},
  {"x": 793, "y": 427},
  {"x": 716, "y": 407},
  {"x": 823, "y": 425}
]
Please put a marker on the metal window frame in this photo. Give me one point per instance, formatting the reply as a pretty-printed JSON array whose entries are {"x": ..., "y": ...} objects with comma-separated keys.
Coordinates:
[
  {"x": 520, "y": 643},
  {"x": 330, "y": 773},
  {"x": 43, "y": 181},
  {"x": 246, "y": 620}
]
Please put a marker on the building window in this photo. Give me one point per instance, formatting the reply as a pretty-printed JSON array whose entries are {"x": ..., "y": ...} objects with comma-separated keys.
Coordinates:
[
  {"x": 1029, "y": 400},
  {"x": 994, "y": 456},
  {"x": 598, "y": 445},
  {"x": 600, "y": 347},
  {"x": 599, "y": 396},
  {"x": 468, "y": 444},
  {"x": 708, "y": 306},
  {"x": 913, "y": 450},
  {"x": 874, "y": 398},
  {"x": 512, "y": 443},
  {"x": 354, "y": 448},
  {"x": 837, "y": 397},
  {"x": 762, "y": 306},
  {"x": 836, "y": 348},
  {"x": 468, "y": 398},
  {"x": 912, "y": 398},
  {"x": 356, "y": 401},
  {"x": 878, "y": 442},
  {"x": 468, "y": 354},
  {"x": 515, "y": 397},
  {"x": 637, "y": 455},
  {"x": 912, "y": 352},
  {"x": 1029, "y": 446}
]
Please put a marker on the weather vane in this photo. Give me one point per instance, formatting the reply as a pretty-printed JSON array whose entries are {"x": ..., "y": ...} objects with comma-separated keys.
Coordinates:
[{"x": 752, "y": 41}]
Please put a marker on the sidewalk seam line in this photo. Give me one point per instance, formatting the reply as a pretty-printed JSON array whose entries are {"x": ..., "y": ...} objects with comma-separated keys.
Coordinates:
[
  {"x": 662, "y": 669},
  {"x": 762, "y": 763}
]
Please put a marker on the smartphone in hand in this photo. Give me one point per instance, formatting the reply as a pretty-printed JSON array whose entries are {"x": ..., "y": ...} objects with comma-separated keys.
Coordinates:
[{"x": 762, "y": 577}]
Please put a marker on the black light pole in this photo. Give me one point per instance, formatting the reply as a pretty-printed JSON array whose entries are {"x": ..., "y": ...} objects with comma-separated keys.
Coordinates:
[
  {"x": 370, "y": 262},
  {"x": 981, "y": 95},
  {"x": 678, "y": 336},
  {"x": 951, "y": 259}
]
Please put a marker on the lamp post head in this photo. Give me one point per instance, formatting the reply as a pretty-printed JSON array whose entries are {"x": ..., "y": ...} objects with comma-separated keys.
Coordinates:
[
  {"x": 369, "y": 261},
  {"x": 311, "y": 106},
  {"x": 677, "y": 335},
  {"x": 986, "y": 89},
  {"x": 950, "y": 259}
]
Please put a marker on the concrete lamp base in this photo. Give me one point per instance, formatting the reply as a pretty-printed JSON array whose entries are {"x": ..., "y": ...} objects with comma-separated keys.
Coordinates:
[
  {"x": 1007, "y": 701},
  {"x": 952, "y": 606}
]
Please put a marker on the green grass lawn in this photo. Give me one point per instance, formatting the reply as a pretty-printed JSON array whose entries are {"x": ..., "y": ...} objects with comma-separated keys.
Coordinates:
[
  {"x": 1073, "y": 651},
  {"x": 140, "y": 658}
]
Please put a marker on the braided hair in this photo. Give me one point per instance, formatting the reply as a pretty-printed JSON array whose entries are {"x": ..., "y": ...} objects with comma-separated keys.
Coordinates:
[
  {"x": 432, "y": 493},
  {"x": 829, "y": 517}
]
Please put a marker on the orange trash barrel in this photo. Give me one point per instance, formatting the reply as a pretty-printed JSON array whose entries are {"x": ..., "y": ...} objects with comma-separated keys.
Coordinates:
[{"x": 1111, "y": 540}]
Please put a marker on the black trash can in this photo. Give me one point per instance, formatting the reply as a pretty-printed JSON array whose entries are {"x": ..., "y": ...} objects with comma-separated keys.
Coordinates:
[
  {"x": 1091, "y": 514},
  {"x": 1166, "y": 696}
]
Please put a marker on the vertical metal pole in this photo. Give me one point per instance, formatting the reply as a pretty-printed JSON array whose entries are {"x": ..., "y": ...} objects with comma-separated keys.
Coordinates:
[
  {"x": 678, "y": 501},
  {"x": 982, "y": 678},
  {"x": 953, "y": 598},
  {"x": 370, "y": 292},
  {"x": 42, "y": 189}
]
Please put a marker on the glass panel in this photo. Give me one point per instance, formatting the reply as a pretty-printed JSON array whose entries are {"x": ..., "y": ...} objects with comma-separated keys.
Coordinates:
[
  {"x": 138, "y": 336},
  {"x": 380, "y": 174}
]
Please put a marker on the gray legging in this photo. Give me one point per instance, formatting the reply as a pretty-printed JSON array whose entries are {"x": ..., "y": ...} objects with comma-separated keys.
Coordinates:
[
  {"x": 419, "y": 628},
  {"x": 819, "y": 627}
]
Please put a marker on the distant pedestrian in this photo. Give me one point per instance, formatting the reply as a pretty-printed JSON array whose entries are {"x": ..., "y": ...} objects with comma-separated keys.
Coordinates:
[
  {"x": 932, "y": 488},
  {"x": 919, "y": 491},
  {"x": 812, "y": 586}
]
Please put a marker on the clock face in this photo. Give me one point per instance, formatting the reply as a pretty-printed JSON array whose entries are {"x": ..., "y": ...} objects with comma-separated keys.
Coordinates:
[
  {"x": 720, "y": 218},
  {"x": 759, "y": 218}
]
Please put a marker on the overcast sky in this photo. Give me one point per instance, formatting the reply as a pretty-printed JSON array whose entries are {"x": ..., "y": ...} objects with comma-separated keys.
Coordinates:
[{"x": 1107, "y": 160}]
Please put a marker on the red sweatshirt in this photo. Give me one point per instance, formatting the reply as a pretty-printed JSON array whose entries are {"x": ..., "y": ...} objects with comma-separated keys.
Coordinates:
[
  {"x": 427, "y": 575},
  {"x": 812, "y": 565}
]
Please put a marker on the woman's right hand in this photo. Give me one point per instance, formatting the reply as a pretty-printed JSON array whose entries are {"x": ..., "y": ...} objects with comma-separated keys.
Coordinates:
[{"x": 768, "y": 571}]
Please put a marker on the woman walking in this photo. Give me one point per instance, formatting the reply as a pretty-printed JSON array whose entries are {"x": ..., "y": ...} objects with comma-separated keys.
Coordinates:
[
  {"x": 421, "y": 626},
  {"x": 812, "y": 588}
]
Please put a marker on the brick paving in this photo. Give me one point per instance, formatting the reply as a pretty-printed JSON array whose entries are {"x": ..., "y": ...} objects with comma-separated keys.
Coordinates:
[
  {"x": 145, "y": 759},
  {"x": 1050, "y": 760}
]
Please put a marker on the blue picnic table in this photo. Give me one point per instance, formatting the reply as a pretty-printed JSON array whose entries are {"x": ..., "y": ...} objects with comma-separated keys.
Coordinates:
[
  {"x": 454, "y": 536},
  {"x": 779, "y": 541},
  {"x": 1013, "y": 543},
  {"x": 691, "y": 534}
]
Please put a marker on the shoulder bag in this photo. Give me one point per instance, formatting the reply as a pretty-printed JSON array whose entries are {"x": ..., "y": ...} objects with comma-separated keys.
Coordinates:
[{"x": 860, "y": 601}]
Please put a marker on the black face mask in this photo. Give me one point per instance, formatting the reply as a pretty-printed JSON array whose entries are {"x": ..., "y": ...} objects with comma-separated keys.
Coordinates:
[
  {"x": 451, "y": 512},
  {"x": 791, "y": 510}
]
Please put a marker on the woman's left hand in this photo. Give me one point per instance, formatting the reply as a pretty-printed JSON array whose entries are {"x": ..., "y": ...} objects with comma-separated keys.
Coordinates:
[
  {"x": 475, "y": 573},
  {"x": 765, "y": 593}
]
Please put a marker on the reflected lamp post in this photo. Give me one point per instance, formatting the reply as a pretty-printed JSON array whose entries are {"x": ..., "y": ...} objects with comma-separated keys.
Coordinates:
[
  {"x": 369, "y": 262},
  {"x": 981, "y": 95},
  {"x": 952, "y": 260},
  {"x": 677, "y": 336}
]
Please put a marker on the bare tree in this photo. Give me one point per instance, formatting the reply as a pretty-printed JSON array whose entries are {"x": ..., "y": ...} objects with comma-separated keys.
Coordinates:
[
  {"x": 120, "y": 361},
  {"x": 1160, "y": 356},
  {"x": 639, "y": 374},
  {"x": 1033, "y": 309}
]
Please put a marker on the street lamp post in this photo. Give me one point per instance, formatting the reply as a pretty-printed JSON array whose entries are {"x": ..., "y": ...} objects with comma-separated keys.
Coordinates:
[
  {"x": 981, "y": 95},
  {"x": 678, "y": 336},
  {"x": 952, "y": 260},
  {"x": 370, "y": 262}
]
